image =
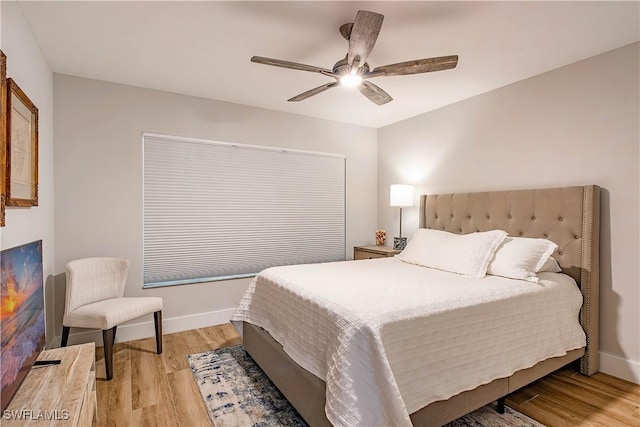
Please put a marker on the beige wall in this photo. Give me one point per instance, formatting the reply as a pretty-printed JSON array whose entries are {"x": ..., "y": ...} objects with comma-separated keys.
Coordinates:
[
  {"x": 98, "y": 154},
  {"x": 27, "y": 66},
  {"x": 572, "y": 126}
]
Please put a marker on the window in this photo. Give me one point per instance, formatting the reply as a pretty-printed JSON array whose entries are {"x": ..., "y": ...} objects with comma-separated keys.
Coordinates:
[{"x": 216, "y": 211}]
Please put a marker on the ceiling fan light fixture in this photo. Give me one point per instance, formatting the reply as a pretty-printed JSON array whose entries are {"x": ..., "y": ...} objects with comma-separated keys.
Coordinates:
[
  {"x": 353, "y": 71},
  {"x": 351, "y": 80}
]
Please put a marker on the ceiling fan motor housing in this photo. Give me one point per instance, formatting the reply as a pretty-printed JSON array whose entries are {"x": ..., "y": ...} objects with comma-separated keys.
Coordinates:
[{"x": 343, "y": 68}]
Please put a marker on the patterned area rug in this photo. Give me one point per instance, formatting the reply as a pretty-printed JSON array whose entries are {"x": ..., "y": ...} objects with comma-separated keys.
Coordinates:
[{"x": 237, "y": 393}]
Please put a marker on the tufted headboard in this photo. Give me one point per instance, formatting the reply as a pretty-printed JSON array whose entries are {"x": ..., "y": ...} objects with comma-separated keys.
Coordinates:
[{"x": 568, "y": 216}]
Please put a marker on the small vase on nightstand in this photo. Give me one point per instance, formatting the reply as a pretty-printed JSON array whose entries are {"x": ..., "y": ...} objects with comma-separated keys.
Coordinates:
[
  {"x": 381, "y": 237},
  {"x": 399, "y": 243}
]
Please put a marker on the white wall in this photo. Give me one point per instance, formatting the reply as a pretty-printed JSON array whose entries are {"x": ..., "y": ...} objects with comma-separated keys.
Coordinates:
[
  {"x": 27, "y": 66},
  {"x": 576, "y": 125},
  {"x": 98, "y": 151}
]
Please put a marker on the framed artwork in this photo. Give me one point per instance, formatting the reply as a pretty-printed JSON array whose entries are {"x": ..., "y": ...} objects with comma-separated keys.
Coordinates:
[
  {"x": 22, "y": 148},
  {"x": 3, "y": 136}
]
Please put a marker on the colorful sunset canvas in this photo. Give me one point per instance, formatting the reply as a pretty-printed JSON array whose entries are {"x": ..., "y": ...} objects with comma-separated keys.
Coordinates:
[{"x": 21, "y": 314}]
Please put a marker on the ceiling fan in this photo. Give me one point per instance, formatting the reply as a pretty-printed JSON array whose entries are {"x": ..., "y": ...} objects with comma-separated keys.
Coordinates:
[{"x": 353, "y": 70}]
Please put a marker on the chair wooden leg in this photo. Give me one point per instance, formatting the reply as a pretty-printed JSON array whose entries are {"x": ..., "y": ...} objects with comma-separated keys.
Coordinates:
[
  {"x": 65, "y": 336},
  {"x": 108, "y": 338},
  {"x": 157, "y": 319}
]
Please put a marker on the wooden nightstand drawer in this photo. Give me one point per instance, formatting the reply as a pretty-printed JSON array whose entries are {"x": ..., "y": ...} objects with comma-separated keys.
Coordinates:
[{"x": 369, "y": 252}]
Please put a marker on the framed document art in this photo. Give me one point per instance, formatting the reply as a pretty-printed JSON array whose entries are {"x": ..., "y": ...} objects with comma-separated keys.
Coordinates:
[
  {"x": 3, "y": 135},
  {"x": 22, "y": 148}
]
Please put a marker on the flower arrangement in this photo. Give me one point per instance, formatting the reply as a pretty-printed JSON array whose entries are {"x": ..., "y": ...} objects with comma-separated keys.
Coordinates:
[{"x": 381, "y": 237}]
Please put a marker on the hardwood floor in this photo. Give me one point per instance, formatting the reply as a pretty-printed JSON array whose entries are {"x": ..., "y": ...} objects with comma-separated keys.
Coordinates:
[
  {"x": 158, "y": 390},
  {"x": 567, "y": 398}
]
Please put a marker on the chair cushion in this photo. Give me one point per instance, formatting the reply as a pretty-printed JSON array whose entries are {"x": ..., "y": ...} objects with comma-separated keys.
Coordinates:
[{"x": 111, "y": 312}]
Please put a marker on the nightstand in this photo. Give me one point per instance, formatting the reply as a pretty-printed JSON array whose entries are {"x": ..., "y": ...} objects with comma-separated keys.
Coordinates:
[{"x": 368, "y": 252}]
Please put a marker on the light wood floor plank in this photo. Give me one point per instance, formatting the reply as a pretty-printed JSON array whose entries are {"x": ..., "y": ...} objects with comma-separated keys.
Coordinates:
[
  {"x": 160, "y": 415},
  {"x": 558, "y": 401},
  {"x": 617, "y": 405},
  {"x": 149, "y": 389},
  {"x": 175, "y": 347},
  {"x": 114, "y": 397},
  {"x": 190, "y": 408},
  {"x": 521, "y": 396},
  {"x": 149, "y": 384},
  {"x": 567, "y": 398},
  {"x": 552, "y": 414}
]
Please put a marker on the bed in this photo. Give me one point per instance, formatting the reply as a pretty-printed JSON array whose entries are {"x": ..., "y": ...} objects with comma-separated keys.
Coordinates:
[{"x": 567, "y": 216}]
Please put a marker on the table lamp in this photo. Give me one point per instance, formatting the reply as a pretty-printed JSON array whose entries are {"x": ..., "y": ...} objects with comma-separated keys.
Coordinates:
[{"x": 400, "y": 195}]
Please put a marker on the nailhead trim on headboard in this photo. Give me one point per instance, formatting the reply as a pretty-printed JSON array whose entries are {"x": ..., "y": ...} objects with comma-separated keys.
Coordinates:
[{"x": 589, "y": 280}]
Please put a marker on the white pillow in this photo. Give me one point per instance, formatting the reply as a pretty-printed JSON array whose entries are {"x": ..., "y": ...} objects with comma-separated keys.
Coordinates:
[
  {"x": 521, "y": 257},
  {"x": 551, "y": 265},
  {"x": 467, "y": 254}
]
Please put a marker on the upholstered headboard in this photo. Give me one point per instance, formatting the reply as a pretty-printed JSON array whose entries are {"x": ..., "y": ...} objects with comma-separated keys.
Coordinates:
[{"x": 568, "y": 216}]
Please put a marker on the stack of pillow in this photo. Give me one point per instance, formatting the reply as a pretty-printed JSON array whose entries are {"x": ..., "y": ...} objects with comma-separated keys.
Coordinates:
[{"x": 477, "y": 254}]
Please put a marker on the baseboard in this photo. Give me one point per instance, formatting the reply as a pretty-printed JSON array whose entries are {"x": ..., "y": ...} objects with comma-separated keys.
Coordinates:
[
  {"x": 619, "y": 367},
  {"x": 128, "y": 332}
]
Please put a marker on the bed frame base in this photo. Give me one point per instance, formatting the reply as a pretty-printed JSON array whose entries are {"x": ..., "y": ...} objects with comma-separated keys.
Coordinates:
[{"x": 306, "y": 392}]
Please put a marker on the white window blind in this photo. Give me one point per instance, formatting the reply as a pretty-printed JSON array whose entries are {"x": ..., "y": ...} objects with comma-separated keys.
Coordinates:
[{"x": 215, "y": 211}]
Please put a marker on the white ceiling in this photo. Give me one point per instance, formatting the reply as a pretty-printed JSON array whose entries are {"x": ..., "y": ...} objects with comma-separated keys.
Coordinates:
[{"x": 203, "y": 48}]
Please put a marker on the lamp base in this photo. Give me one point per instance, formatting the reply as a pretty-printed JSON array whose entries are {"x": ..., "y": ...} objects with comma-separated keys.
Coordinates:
[{"x": 399, "y": 243}]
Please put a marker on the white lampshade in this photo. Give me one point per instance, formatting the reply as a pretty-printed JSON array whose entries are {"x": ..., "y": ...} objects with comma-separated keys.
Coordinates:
[{"x": 401, "y": 195}]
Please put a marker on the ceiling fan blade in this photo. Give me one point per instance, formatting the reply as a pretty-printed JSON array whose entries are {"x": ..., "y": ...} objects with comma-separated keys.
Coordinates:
[
  {"x": 416, "y": 66},
  {"x": 289, "y": 64},
  {"x": 312, "y": 92},
  {"x": 364, "y": 34},
  {"x": 374, "y": 93}
]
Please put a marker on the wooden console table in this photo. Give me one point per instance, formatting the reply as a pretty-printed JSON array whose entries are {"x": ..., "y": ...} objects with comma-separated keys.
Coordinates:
[{"x": 57, "y": 395}]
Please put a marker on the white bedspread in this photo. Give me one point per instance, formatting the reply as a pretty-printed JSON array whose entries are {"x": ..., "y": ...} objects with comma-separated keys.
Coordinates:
[{"x": 388, "y": 337}]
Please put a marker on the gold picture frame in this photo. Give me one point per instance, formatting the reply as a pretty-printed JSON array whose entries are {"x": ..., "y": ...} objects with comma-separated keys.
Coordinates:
[
  {"x": 3, "y": 135},
  {"x": 22, "y": 148}
]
